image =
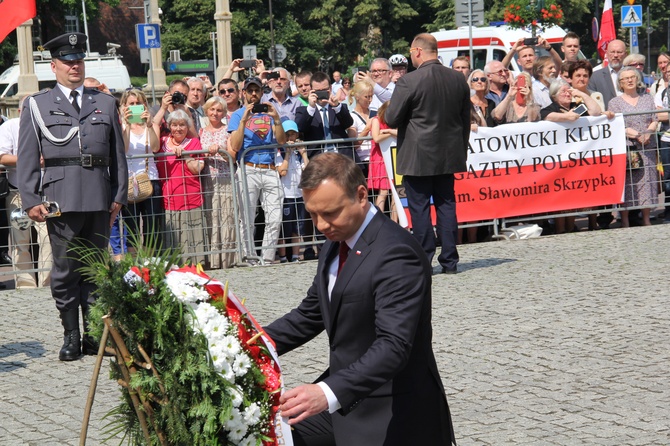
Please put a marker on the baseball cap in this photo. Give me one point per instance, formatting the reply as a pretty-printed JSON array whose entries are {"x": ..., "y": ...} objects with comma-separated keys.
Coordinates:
[
  {"x": 252, "y": 80},
  {"x": 289, "y": 125}
]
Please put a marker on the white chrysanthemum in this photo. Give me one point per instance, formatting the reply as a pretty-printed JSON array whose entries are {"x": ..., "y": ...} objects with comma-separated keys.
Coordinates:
[
  {"x": 226, "y": 371},
  {"x": 252, "y": 414},
  {"x": 236, "y": 433},
  {"x": 185, "y": 288},
  {"x": 241, "y": 364},
  {"x": 215, "y": 329},
  {"x": 235, "y": 424},
  {"x": 235, "y": 394},
  {"x": 231, "y": 346},
  {"x": 205, "y": 312}
]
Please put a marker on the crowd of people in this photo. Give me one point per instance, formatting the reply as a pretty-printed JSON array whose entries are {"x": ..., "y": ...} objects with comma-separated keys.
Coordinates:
[{"x": 191, "y": 205}]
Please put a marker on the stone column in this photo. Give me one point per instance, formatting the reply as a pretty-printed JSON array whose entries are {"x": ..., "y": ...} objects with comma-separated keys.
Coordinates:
[
  {"x": 27, "y": 78},
  {"x": 159, "y": 81},
  {"x": 224, "y": 49}
]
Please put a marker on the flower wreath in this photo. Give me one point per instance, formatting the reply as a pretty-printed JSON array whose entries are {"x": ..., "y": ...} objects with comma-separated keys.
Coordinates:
[{"x": 216, "y": 379}]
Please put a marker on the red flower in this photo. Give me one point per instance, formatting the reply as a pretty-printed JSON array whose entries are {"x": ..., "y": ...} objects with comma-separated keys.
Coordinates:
[
  {"x": 553, "y": 7},
  {"x": 271, "y": 377}
]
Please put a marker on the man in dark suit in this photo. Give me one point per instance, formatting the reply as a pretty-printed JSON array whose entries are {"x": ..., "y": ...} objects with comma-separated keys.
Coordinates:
[
  {"x": 603, "y": 80},
  {"x": 76, "y": 131},
  {"x": 431, "y": 110},
  {"x": 372, "y": 296},
  {"x": 310, "y": 119}
]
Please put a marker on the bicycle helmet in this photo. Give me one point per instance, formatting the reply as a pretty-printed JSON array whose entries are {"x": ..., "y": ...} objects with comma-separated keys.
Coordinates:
[{"x": 398, "y": 59}]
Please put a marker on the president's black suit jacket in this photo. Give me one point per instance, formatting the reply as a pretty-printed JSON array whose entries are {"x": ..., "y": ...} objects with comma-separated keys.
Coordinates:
[
  {"x": 312, "y": 129},
  {"x": 430, "y": 108},
  {"x": 382, "y": 368}
]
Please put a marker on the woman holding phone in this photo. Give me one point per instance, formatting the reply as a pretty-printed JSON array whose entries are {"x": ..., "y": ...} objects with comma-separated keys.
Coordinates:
[
  {"x": 141, "y": 143},
  {"x": 518, "y": 105}
]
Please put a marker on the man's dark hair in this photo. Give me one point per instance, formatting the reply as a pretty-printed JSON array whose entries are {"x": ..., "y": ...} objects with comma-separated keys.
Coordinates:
[
  {"x": 320, "y": 76},
  {"x": 303, "y": 74},
  {"x": 570, "y": 35},
  {"x": 333, "y": 166},
  {"x": 227, "y": 80},
  {"x": 576, "y": 65},
  {"x": 178, "y": 82}
]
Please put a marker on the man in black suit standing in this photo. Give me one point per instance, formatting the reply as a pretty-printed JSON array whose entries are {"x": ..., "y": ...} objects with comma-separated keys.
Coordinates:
[
  {"x": 372, "y": 296},
  {"x": 324, "y": 107},
  {"x": 431, "y": 110}
]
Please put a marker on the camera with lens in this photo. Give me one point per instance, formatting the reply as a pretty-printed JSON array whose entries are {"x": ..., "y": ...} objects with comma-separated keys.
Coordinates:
[{"x": 178, "y": 98}]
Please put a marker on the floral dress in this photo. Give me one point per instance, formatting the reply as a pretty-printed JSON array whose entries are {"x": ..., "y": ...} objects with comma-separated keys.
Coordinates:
[{"x": 641, "y": 184}]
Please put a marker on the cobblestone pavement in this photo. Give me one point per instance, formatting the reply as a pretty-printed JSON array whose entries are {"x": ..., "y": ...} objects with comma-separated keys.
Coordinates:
[{"x": 561, "y": 340}]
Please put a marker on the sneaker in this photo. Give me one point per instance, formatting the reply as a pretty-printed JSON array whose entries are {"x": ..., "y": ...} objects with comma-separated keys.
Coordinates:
[
  {"x": 295, "y": 259},
  {"x": 283, "y": 260}
]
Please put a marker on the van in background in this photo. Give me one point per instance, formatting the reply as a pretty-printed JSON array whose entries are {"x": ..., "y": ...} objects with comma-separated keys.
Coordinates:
[
  {"x": 108, "y": 69},
  {"x": 492, "y": 43}
]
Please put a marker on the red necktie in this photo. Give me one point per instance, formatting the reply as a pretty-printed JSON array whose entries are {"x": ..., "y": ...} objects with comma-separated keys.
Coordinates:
[{"x": 344, "y": 253}]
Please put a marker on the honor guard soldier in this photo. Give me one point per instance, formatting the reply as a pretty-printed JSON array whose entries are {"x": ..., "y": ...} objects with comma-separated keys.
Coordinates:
[{"x": 76, "y": 132}]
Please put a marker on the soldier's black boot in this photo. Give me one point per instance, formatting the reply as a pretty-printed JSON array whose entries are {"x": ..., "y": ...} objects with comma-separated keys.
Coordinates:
[
  {"x": 71, "y": 348},
  {"x": 89, "y": 345}
]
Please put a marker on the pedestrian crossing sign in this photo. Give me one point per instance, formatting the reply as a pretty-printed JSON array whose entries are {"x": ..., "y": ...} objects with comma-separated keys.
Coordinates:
[{"x": 631, "y": 16}]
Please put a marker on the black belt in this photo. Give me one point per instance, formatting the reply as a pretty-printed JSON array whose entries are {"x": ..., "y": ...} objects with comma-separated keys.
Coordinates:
[{"x": 83, "y": 161}]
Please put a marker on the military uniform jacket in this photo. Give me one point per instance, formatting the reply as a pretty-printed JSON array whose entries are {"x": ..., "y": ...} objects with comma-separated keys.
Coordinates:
[{"x": 74, "y": 187}]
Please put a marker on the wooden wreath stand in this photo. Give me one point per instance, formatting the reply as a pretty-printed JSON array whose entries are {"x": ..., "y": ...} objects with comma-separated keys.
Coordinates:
[{"x": 129, "y": 366}]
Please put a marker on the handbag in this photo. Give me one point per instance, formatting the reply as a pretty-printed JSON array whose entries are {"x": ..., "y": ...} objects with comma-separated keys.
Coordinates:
[
  {"x": 634, "y": 158},
  {"x": 139, "y": 184}
]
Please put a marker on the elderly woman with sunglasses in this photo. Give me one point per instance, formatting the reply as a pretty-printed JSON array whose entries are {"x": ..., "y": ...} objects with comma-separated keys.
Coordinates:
[
  {"x": 641, "y": 187},
  {"x": 480, "y": 116},
  {"x": 482, "y": 107}
]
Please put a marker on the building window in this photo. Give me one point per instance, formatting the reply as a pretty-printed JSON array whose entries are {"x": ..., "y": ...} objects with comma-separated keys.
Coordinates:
[{"x": 71, "y": 23}]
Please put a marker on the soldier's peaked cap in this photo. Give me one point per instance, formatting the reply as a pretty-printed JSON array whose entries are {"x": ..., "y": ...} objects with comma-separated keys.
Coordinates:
[{"x": 71, "y": 46}]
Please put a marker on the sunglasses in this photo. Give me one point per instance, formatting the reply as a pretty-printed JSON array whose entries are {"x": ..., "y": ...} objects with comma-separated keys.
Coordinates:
[
  {"x": 636, "y": 64},
  {"x": 227, "y": 90},
  {"x": 479, "y": 79}
]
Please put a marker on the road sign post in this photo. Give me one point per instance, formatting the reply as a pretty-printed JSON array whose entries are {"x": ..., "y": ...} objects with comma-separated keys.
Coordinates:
[
  {"x": 631, "y": 17},
  {"x": 279, "y": 53},
  {"x": 149, "y": 36}
]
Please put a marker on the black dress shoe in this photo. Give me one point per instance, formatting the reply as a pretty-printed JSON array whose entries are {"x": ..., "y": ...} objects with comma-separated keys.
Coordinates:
[
  {"x": 439, "y": 269},
  {"x": 5, "y": 259}
]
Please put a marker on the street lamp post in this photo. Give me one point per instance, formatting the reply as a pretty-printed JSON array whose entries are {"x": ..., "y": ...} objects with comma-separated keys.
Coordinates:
[{"x": 273, "y": 50}]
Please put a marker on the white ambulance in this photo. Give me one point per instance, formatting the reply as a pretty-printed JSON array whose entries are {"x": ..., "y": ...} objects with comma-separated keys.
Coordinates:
[
  {"x": 491, "y": 43},
  {"x": 108, "y": 69}
]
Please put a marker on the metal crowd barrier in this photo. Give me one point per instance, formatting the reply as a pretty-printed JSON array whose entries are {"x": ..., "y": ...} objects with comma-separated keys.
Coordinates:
[{"x": 247, "y": 247}]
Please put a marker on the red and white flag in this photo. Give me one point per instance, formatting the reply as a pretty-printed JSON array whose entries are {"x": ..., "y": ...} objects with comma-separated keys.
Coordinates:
[
  {"x": 14, "y": 13},
  {"x": 607, "y": 31}
]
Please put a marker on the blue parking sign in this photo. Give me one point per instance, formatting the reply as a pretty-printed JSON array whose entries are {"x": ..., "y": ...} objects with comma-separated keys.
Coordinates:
[{"x": 148, "y": 35}]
